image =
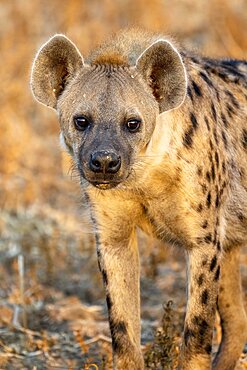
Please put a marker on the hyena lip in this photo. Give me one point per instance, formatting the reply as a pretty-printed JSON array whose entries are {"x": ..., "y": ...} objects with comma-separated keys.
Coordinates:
[{"x": 104, "y": 185}]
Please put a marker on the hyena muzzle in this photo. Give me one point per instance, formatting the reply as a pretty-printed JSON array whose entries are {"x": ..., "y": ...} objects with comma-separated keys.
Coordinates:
[{"x": 159, "y": 138}]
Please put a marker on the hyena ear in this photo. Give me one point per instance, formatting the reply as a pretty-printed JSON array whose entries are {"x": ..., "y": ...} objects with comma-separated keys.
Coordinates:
[
  {"x": 163, "y": 69},
  {"x": 56, "y": 62}
]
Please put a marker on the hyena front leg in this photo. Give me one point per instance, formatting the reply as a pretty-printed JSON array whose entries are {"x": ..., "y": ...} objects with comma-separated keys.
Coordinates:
[
  {"x": 119, "y": 264},
  {"x": 232, "y": 312},
  {"x": 203, "y": 277}
]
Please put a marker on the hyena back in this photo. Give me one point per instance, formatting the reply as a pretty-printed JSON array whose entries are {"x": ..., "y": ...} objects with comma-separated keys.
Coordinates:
[{"x": 159, "y": 138}]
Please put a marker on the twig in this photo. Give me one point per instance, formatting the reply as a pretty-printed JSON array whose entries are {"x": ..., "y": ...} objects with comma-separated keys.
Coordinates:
[
  {"x": 33, "y": 333},
  {"x": 15, "y": 321},
  {"x": 22, "y": 287},
  {"x": 11, "y": 355},
  {"x": 97, "y": 338}
]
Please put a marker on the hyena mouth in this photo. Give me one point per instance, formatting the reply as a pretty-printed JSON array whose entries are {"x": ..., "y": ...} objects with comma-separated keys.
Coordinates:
[{"x": 104, "y": 185}]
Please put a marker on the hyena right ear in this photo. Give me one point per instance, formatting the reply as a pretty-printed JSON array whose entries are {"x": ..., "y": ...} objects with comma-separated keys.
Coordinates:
[
  {"x": 163, "y": 69},
  {"x": 56, "y": 61}
]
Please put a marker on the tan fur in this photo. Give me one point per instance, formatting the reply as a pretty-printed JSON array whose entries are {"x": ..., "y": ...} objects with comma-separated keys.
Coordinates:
[
  {"x": 111, "y": 58},
  {"x": 183, "y": 177}
]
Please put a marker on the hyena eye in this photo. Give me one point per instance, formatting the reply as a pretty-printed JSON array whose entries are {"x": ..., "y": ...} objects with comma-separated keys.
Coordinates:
[
  {"x": 81, "y": 123},
  {"x": 133, "y": 125}
]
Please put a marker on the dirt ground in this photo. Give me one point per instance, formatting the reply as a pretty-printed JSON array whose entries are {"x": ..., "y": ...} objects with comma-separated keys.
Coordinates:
[{"x": 52, "y": 307}]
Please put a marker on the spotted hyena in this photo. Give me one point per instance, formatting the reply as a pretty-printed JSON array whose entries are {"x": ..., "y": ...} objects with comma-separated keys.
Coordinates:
[{"x": 159, "y": 138}]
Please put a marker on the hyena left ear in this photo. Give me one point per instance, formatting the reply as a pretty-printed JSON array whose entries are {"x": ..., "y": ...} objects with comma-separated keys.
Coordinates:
[
  {"x": 163, "y": 69},
  {"x": 57, "y": 61}
]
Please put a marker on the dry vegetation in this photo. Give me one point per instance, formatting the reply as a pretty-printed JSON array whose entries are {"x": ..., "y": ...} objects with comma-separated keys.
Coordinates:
[{"x": 52, "y": 310}]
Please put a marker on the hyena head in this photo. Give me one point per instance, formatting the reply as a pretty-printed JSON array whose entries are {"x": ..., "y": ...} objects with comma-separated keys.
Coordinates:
[{"x": 107, "y": 106}]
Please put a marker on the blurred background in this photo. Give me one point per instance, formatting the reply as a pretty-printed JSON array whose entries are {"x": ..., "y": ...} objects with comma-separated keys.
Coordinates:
[{"x": 52, "y": 309}]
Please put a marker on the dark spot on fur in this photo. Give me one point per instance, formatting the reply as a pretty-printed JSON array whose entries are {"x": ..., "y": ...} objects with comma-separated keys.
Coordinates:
[
  {"x": 240, "y": 216},
  {"x": 190, "y": 93},
  {"x": 208, "y": 199},
  {"x": 217, "y": 303},
  {"x": 118, "y": 333},
  {"x": 217, "y": 95},
  {"x": 199, "y": 240},
  {"x": 108, "y": 301},
  {"x": 218, "y": 246},
  {"x": 196, "y": 88},
  {"x": 208, "y": 177},
  {"x": 217, "y": 201},
  {"x": 223, "y": 76},
  {"x": 208, "y": 349},
  {"x": 194, "y": 60},
  {"x": 201, "y": 324},
  {"x": 242, "y": 172},
  {"x": 233, "y": 99},
  {"x": 120, "y": 327},
  {"x": 224, "y": 138},
  {"x": 213, "y": 171},
  {"x": 204, "y": 297},
  {"x": 244, "y": 138},
  {"x": 204, "y": 188},
  {"x": 188, "y": 333},
  {"x": 217, "y": 274},
  {"x": 207, "y": 123},
  {"x": 221, "y": 193},
  {"x": 204, "y": 262},
  {"x": 216, "y": 136},
  {"x": 205, "y": 224},
  {"x": 224, "y": 167},
  {"x": 224, "y": 120},
  {"x": 206, "y": 79},
  {"x": 233, "y": 165},
  {"x": 213, "y": 111},
  {"x": 105, "y": 278},
  {"x": 208, "y": 238},
  {"x": 145, "y": 210},
  {"x": 213, "y": 263},
  {"x": 230, "y": 110},
  {"x": 199, "y": 171},
  {"x": 188, "y": 137},
  {"x": 232, "y": 66},
  {"x": 215, "y": 236},
  {"x": 200, "y": 280},
  {"x": 97, "y": 240},
  {"x": 193, "y": 121},
  {"x": 217, "y": 159},
  {"x": 178, "y": 175},
  {"x": 199, "y": 208}
]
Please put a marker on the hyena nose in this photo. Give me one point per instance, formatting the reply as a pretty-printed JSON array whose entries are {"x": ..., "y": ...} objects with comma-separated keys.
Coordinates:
[{"x": 105, "y": 162}]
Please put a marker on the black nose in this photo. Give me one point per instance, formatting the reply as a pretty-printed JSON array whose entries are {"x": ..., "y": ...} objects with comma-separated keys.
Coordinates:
[{"x": 105, "y": 162}]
